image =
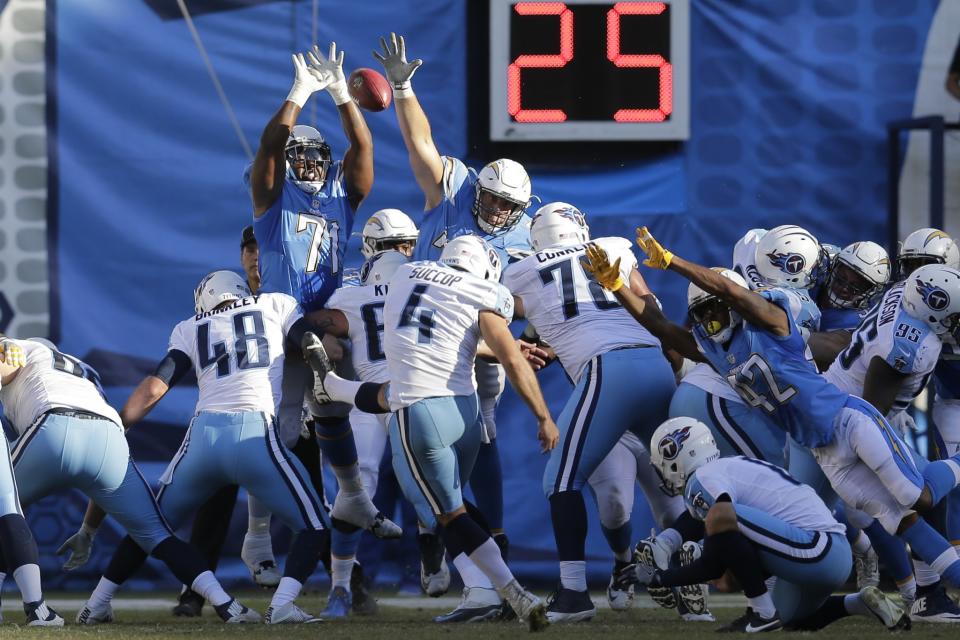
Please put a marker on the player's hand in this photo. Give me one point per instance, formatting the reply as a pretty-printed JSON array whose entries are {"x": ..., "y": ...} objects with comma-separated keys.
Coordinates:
[
  {"x": 12, "y": 354},
  {"x": 536, "y": 356},
  {"x": 79, "y": 545},
  {"x": 597, "y": 264},
  {"x": 548, "y": 435},
  {"x": 394, "y": 61},
  {"x": 657, "y": 256},
  {"x": 305, "y": 84},
  {"x": 328, "y": 72}
]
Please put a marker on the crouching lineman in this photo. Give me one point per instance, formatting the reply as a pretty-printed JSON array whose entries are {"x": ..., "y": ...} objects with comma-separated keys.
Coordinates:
[
  {"x": 71, "y": 438},
  {"x": 235, "y": 343},
  {"x": 434, "y": 317},
  {"x": 759, "y": 521}
]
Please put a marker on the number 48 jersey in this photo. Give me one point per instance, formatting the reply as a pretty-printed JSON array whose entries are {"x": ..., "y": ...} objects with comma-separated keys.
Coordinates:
[
  {"x": 238, "y": 352},
  {"x": 902, "y": 341},
  {"x": 571, "y": 311},
  {"x": 363, "y": 307}
]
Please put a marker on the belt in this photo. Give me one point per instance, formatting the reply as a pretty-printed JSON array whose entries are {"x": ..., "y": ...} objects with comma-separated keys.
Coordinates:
[
  {"x": 633, "y": 346},
  {"x": 77, "y": 413}
]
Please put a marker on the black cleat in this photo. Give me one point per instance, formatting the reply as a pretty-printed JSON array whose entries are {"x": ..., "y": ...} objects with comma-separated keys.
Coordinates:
[
  {"x": 751, "y": 622},
  {"x": 189, "y": 605},
  {"x": 364, "y": 603},
  {"x": 316, "y": 356},
  {"x": 567, "y": 605}
]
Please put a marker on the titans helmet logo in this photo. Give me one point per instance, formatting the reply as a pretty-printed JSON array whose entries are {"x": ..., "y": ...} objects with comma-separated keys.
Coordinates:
[
  {"x": 792, "y": 263},
  {"x": 671, "y": 443},
  {"x": 572, "y": 215},
  {"x": 935, "y": 297}
]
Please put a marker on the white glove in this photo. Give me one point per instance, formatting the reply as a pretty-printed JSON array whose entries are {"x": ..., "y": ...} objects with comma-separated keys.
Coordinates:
[
  {"x": 304, "y": 83},
  {"x": 394, "y": 61},
  {"x": 79, "y": 545},
  {"x": 328, "y": 72}
]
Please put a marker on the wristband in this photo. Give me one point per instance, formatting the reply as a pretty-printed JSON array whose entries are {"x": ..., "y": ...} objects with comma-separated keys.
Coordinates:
[
  {"x": 338, "y": 91},
  {"x": 403, "y": 91},
  {"x": 298, "y": 94}
]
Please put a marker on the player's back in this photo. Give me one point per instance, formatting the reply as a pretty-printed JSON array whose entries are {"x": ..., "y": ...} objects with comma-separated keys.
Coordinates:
[
  {"x": 904, "y": 342},
  {"x": 303, "y": 239},
  {"x": 237, "y": 351},
  {"x": 431, "y": 329},
  {"x": 363, "y": 307},
  {"x": 576, "y": 316},
  {"x": 51, "y": 379},
  {"x": 762, "y": 486}
]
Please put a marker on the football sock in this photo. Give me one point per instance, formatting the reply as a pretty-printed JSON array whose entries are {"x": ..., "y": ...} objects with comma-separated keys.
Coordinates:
[
  {"x": 103, "y": 593},
  {"x": 207, "y": 586},
  {"x": 934, "y": 550},
  {"x": 573, "y": 575},
  {"x": 619, "y": 541},
  {"x": 891, "y": 551},
  {"x": 470, "y": 574},
  {"x": 335, "y": 438},
  {"x": 342, "y": 569},
  {"x": 569, "y": 515},
  {"x": 287, "y": 591},
  {"x": 486, "y": 480},
  {"x": 126, "y": 560},
  {"x": 27, "y": 577},
  {"x": 306, "y": 549}
]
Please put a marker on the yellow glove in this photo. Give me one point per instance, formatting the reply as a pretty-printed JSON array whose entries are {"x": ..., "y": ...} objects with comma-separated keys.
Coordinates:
[
  {"x": 657, "y": 256},
  {"x": 12, "y": 354},
  {"x": 598, "y": 265}
]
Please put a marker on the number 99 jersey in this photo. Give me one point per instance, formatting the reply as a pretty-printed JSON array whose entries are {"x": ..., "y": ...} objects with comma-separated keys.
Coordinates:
[
  {"x": 51, "y": 379},
  {"x": 237, "y": 352},
  {"x": 431, "y": 330},
  {"x": 902, "y": 341},
  {"x": 363, "y": 308}
]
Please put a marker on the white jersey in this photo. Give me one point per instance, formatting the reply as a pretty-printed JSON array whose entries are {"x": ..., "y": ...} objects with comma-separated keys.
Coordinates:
[
  {"x": 572, "y": 312},
  {"x": 363, "y": 308},
  {"x": 238, "y": 352},
  {"x": 51, "y": 380},
  {"x": 904, "y": 342},
  {"x": 745, "y": 258},
  {"x": 432, "y": 331},
  {"x": 762, "y": 486},
  {"x": 704, "y": 377}
]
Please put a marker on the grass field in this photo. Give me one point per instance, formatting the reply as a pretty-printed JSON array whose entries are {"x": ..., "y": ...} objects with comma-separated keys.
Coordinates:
[{"x": 406, "y": 619}]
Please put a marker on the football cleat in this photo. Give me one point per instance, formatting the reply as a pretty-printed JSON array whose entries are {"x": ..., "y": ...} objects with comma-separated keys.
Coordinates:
[
  {"x": 867, "y": 566},
  {"x": 316, "y": 356},
  {"x": 338, "y": 604},
  {"x": 752, "y": 622},
  {"x": 234, "y": 612},
  {"x": 529, "y": 608},
  {"x": 288, "y": 613},
  {"x": 95, "y": 615},
  {"x": 649, "y": 556},
  {"x": 434, "y": 572},
  {"x": 189, "y": 604},
  {"x": 567, "y": 605},
  {"x": 886, "y": 610},
  {"x": 621, "y": 587},
  {"x": 693, "y": 597},
  {"x": 935, "y": 606},
  {"x": 40, "y": 615},
  {"x": 257, "y": 554},
  {"x": 476, "y": 605},
  {"x": 356, "y": 508},
  {"x": 364, "y": 603}
]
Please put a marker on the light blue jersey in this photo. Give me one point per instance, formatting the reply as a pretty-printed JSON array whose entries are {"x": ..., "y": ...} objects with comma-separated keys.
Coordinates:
[
  {"x": 303, "y": 239},
  {"x": 453, "y": 217},
  {"x": 832, "y": 319},
  {"x": 777, "y": 374}
]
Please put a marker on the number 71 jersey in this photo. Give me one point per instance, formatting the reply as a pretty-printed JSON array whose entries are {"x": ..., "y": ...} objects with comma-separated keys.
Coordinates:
[{"x": 238, "y": 351}]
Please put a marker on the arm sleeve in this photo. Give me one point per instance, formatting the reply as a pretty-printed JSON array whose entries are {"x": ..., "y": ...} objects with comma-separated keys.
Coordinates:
[
  {"x": 499, "y": 300},
  {"x": 173, "y": 367}
]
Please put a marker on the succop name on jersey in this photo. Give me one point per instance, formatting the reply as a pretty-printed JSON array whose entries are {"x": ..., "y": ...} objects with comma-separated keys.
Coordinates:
[{"x": 429, "y": 274}]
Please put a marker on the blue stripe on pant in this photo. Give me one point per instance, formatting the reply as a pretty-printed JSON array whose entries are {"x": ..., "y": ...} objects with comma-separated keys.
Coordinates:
[
  {"x": 241, "y": 448},
  {"x": 62, "y": 452},
  {"x": 809, "y": 565},
  {"x": 738, "y": 429},
  {"x": 434, "y": 444},
  {"x": 619, "y": 390}
]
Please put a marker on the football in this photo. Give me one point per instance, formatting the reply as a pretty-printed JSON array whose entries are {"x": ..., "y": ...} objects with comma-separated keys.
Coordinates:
[{"x": 369, "y": 90}]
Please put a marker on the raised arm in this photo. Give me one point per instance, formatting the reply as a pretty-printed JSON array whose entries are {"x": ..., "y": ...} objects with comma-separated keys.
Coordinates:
[
  {"x": 753, "y": 307},
  {"x": 152, "y": 388},
  {"x": 425, "y": 160}
]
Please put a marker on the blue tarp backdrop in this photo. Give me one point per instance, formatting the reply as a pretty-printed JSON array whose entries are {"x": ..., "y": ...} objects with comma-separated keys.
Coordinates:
[{"x": 788, "y": 100}]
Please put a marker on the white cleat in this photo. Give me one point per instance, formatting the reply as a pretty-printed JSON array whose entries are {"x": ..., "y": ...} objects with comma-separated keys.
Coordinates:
[
  {"x": 95, "y": 615},
  {"x": 289, "y": 613},
  {"x": 886, "y": 610},
  {"x": 40, "y": 615},
  {"x": 528, "y": 607},
  {"x": 257, "y": 554},
  {"x": 476, "y": 605},
  {"x": 693, "y": 597},
  {"x": 356, "y": 508},
  {"x": 234, "y": 612},
  {"x": 621, "y": 588},
  {"x": 868, "y": 568},
  {"x": 434, "y": 572}
]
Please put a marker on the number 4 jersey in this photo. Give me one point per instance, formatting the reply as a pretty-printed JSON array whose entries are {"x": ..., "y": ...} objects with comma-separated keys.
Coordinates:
[
  {"x": 431, "y": 330},
  {"x": 237, "y": 352},
  {"x": 571, "y": 311}
]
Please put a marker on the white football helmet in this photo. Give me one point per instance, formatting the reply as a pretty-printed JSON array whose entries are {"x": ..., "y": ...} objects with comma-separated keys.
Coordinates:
[
  {"x": 507, "y": 180},
  {"x": 306, "y": 145},
  {"x": 386, "y": 228},
  {"x": 558, "y": 223},
  {"x": 788, "y": 256},
  {"x": 858, "y": 273},
  {"x": 44, "y": 342},
  {"x": 219, "y": 287},
  {"x": 379, "y": 268},
  {"x": 679, "y": 447},
  {"x": 473, "y": 255},
  {"x": 926, "y": 246},
  {"x": 703, "y": 306},
  {"x": 932, "y": 294}
]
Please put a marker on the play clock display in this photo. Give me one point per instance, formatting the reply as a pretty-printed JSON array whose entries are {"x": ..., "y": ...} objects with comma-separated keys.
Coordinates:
[{"x": 589, "y": 70}]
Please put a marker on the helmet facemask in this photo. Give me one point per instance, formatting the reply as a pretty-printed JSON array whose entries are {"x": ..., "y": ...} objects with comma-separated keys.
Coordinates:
[
  {"x": 495, "y": 212},
  {"x": 308, "y": 161},
  {"x": 847, "y": 288},
  {"x": 907, "y": 264},
  {"x": 715, "y": 318}
]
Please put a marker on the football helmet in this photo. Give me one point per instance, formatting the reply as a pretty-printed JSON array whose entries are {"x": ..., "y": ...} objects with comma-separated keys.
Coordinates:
[
  {"x": 219, "y": 287},
  {"x": 385, "y": 229},
  {"x": 679, "y": 447},
  {"x": 502, "y": 195},
  {"x": 788, "y": 256},
  {"x": 379, "y": 268},
  {"x": 473, "y": 255},
  {"x": 932, "y": 294},
  {"x": 704, "y": 308},
  {"x": 307, "y": 147},
  {"x": 858, "y": 273},
  {"x": 558, "y": 223},
  {"x": 926, "y": 246}
]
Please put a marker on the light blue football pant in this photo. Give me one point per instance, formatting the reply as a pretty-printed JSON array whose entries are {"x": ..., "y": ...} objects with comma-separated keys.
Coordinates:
[
  {"x": 434, "y": 444},
  {"x": 809, "y": 565},
  {"x": 738, "y": 429},
  {"x": 242, "y": 448},
  {"x": 619, "y": 390},
  {"x": 9, "y": 496},
  {"x": 60, "y": 452}
]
